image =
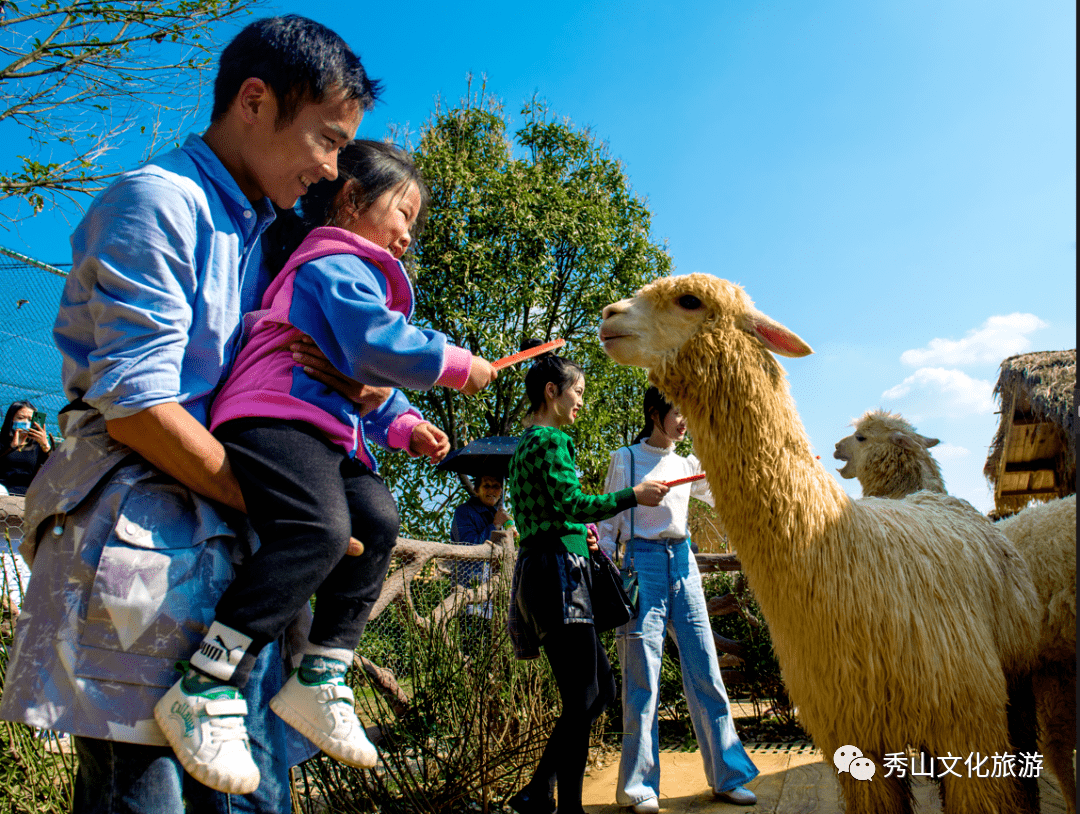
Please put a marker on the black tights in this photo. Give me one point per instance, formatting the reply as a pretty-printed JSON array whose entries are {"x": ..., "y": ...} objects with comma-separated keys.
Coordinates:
[{"x": 586, "y": 686}]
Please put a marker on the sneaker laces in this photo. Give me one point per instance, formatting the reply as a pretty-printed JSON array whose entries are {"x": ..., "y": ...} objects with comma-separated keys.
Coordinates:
[
  {"x": 225, "y": 709},
  {"x": 338, "y": 703}
]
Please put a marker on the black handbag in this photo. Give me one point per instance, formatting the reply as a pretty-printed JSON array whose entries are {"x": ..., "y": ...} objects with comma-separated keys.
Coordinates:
[
  {"x": 628, "y": 576},
  {"x": 611, "y": 605}
]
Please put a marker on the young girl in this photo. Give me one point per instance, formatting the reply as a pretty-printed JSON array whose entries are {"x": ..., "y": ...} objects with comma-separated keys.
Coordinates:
[
  {"x": 550, "y": 604},
  {"x": 299, "y": 451},
  {"x": 670, "y": 597}
]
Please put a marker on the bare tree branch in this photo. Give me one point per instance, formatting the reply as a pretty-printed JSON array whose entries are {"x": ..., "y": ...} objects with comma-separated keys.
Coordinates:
[{"x": 85, "y": 77}]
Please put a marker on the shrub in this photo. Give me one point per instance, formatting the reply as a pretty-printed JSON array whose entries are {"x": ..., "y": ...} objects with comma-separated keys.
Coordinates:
[
  {"x": 36, "y": 776},
  {"x": 470, "y": 737}
]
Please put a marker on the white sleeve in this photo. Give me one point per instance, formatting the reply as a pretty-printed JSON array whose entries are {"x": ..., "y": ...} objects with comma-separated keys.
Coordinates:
[
  {"x": 700, "y": 488},
  {"x": 615, "y": 528}
]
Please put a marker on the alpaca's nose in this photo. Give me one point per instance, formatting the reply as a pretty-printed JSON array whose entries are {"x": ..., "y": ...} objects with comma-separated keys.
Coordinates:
[{"x": 614, "y": 308}]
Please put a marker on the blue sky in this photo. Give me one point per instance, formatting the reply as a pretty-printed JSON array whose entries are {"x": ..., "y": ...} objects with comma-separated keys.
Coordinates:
[{"x": 894, "y": 181}]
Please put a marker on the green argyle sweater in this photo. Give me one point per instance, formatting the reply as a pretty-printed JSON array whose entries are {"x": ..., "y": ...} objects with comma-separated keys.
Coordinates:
[{"x": 549, "y": 505}]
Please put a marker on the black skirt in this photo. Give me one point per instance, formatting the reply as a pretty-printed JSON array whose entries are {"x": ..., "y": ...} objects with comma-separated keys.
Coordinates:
[{"x": 551, "y": 587}]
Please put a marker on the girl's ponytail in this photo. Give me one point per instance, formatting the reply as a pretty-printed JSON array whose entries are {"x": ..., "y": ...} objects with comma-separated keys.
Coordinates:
[{"x": 654, "y": 401}]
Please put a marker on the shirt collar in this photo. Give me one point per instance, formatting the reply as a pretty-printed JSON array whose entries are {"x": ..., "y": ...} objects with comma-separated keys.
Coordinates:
[
  {"x": 656, "y": 450},
  {"x": 210, "y": 165}
]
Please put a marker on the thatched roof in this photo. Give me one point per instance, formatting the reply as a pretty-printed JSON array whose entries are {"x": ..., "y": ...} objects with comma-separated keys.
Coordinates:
[{"x": 1033, "y": 455}]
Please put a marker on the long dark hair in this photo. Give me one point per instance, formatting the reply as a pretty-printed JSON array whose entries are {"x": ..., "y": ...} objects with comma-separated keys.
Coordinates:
[
  {"x": 547, "y": 368},
  {"x": 7, "y": 431},
  {"x": 375, "y": 166},
  {"x": 654, "y": 400}
]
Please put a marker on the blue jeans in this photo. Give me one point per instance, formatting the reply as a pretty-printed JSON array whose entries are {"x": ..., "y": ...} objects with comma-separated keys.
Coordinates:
[
  {"x": 671, "y": 599},
  {"x": 133, "y": 778}
]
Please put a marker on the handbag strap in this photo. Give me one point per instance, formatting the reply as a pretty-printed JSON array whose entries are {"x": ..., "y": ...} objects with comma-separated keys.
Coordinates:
[{"x": 629, "y": 548}]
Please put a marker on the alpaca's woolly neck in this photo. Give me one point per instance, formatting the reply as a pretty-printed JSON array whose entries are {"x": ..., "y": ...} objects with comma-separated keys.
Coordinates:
[
  {"x": 896, "y": 472},
  {"x": 774, "y": 499}
]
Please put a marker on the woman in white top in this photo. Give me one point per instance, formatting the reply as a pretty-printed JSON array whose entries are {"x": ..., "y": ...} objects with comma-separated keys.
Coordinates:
[{"x": 671, "y": 599}]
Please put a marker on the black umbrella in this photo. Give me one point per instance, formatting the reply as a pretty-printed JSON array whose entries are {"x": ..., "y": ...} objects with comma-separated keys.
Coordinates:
[{"x": 484, "y": 456}]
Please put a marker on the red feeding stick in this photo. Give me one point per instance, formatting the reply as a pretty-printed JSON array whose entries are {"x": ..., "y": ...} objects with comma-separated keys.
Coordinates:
[
  {"x": 521, "y": 356},
  {"x": 687, "y": 479}
]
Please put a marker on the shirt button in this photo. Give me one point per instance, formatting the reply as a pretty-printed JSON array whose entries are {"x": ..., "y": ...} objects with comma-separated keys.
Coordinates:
[{"x": 247, "y": 213}]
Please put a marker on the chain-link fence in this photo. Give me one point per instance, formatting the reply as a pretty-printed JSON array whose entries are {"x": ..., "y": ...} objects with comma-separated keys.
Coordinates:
[
  {"x": 29, "y": 361},
  {"x": 29, "y": 371}
]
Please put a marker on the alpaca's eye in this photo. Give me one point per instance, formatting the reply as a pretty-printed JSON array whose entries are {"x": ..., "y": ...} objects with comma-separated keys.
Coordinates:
[
  {"x": 860, "y": 438},
  {"x": 689, "y": 302}
]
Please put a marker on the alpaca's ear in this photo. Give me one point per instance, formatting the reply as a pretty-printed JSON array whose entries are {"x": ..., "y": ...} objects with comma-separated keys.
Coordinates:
[
  {"x": 775, "y": 336},
  {"x": 905, "y": 441},
  {"x": 913, "y": 441}
]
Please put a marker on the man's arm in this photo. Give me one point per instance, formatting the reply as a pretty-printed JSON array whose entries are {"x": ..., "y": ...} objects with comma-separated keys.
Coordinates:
[
  {"x": 169, "y": 438},
  {"x": 172, "y": 440}
]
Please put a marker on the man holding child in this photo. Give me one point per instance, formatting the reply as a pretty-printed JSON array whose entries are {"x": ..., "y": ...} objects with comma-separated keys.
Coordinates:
[{"x": 135, "y": 523}]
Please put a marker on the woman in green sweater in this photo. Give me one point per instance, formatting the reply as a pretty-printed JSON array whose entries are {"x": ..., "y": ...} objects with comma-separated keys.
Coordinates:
[{"x": 551, "y": 607}]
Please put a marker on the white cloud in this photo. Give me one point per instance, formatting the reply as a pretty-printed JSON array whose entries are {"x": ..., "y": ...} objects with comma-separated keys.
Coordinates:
[
  {"x": 937, "y": 391},
  {"x": 997, "y": 338},
  {"x": 950, "y": 452}
]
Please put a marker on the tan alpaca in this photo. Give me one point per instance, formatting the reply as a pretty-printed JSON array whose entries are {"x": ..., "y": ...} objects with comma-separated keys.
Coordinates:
[
  {"x": 895, "y": 622},
  {"x": 890, "y": 459}
]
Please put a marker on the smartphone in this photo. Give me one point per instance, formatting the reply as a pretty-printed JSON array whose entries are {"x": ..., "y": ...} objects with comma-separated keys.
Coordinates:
[{"x": 39, "y": 417}]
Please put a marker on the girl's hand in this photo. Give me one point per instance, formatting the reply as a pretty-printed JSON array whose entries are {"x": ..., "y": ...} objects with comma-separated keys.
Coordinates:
[
  {"x": 306, "y": 353},
  {"x": 429, "y": 440},
  {"x": 481, "y": 374},
  {"x": 592, "y": 538},
  {"x": 650, "y": 492},
  {"x": 37, "y": 433}
]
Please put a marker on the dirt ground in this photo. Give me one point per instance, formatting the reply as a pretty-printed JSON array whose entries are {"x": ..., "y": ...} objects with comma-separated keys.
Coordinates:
[{"x": 794, "y": 779}]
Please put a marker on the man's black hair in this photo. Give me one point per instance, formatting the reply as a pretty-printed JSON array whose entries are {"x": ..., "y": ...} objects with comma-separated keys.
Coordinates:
[{"x": 299, "y": 59}]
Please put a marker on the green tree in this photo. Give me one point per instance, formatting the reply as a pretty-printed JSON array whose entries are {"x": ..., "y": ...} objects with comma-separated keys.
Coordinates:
[
  {"x": 528, "y": 236},
  {"x": 83, "y": 78}
]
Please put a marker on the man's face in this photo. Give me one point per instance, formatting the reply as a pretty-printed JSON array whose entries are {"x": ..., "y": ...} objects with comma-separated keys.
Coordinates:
[
  {"x": 280, "y": 163},
  {"x": 489, "y": 490}
]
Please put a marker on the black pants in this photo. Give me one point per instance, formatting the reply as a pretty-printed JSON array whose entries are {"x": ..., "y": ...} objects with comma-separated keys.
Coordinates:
[
  {"x": 305, "y": 498},
  {"x": 586, "y": 686}
]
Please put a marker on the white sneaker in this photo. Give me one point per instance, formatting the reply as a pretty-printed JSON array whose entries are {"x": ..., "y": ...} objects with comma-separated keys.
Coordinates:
[
  {"x": 650, "y": 805},
  {"x": 324, "y": 714},
  {"x": 207, "y": 733}
]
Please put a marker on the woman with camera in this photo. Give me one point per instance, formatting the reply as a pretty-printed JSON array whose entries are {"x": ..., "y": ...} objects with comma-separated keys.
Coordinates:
[{"x": 24, "y": 446}]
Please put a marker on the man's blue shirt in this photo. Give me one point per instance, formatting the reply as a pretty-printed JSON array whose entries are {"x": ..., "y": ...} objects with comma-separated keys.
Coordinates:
[{"x": 165, "y": 263}]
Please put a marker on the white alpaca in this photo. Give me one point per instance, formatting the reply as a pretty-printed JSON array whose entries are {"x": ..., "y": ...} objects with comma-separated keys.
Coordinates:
[
  {"x": 895, "y": 622},
  {"x": 891, "y": 460}
]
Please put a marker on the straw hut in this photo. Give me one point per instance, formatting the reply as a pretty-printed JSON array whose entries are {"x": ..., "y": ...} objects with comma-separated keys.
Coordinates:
[{"x": 1033, "y": 456}]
